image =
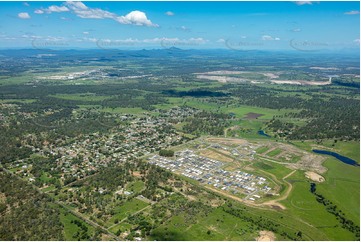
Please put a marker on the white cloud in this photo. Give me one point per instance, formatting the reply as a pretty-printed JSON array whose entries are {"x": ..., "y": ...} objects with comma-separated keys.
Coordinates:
[
  {"x": 26, "y": 4},
  {"x": 39, "y": 11},
  {"x": 221, "y": 41},
  {"x": 52, "y": 9},
  {"x": 268, "y": 37},
  {"x": 357, "y": 41},
  {"x": 354, "y": 12},
  {"x": 296, "y": 30},
  {"x": 77, "y": 5},
  {"x": 303, "y": 2},
  {"x": 135, "y": 17},
  {"x": 57, "y": 9},
  {"x": 83, "y": 11},
  {"x": 24, "y": 15},
  {"x": 169, "y": 13},
  {"x": 85, "y": 33}
]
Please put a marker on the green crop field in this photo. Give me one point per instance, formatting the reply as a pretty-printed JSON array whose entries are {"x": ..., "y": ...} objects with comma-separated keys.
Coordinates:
[
  {"x": 262, "y": 150},
  {"x": 274, "y": 152}
]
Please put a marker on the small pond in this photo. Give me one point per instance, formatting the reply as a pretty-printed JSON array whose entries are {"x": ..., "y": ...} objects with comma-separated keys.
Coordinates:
[{"x": 342, "y": 158}]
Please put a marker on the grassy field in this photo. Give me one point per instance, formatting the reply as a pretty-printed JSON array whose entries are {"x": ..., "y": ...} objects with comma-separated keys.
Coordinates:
[
  {"x": 278, "y": 170},
  {"x": 136, "y": 186},
  {"x": 241, "y": 111},
  {"x": 263, "y": 166},
  {"x": 126, "y": 209},
  {"x": 221, "y": 226},
  {"x": 70, "y": 228},
  {"x": 17, "y": 100},
  {"x": 292, "y": 158},
  {"x": 48, "y": 189},
  {"x": 302, "y": 204},
  {"x": 249, "y": 129},
  {"x": 274, "y": 152},
  {"x": 262, "y": 149},
  {"x": 45, "y": 177},
  {"x": 15, "y": 80},
  {"x": 122, "y": 227},
  {"x": 342, "y": 187}
]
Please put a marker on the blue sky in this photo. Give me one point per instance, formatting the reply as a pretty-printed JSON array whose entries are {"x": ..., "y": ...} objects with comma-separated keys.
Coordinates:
[{"x": 187, "y": 25}]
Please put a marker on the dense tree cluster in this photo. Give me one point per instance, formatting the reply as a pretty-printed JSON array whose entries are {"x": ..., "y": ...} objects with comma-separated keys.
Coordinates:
[
  {"x": 207, "y": 123},
  {"x": 133, "y": 101},
  {"x": 26, "y": 214},
  {"x": 347, "y": 81},
  {"x": 334, "y": 118},
  {"x": 166, "y": 153}
]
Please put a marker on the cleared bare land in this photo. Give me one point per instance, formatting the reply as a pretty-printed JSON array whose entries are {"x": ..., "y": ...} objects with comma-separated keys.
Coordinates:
[
  {"x": 215, "y": 155},
  {"x": 302, "y": 82},
  {"x": 224, "y": 76},
  {"x": 307, "y": 161},
  {"x": 265, "y": 235},
  {"x": 228, "y": 141},
  {"x": 314, "y": 176}
]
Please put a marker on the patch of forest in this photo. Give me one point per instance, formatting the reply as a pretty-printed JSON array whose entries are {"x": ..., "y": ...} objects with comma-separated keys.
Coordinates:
[{"x": 26, "y": 214}]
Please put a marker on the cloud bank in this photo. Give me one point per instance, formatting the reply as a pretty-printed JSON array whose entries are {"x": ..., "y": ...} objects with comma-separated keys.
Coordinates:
[{"x": 82, "y": 11}]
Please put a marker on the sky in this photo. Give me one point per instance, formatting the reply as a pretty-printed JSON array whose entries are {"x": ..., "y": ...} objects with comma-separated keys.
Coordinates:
[{"x": 301, "y": 25}]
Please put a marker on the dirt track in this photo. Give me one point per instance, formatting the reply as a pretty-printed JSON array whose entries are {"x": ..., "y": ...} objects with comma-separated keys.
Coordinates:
[{"x": 287, "y": 193}]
